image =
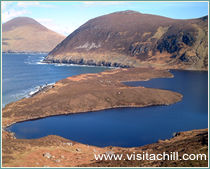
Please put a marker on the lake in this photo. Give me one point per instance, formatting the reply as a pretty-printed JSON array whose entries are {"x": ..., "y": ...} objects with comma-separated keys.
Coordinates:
[{"x": 126, "y": 127}]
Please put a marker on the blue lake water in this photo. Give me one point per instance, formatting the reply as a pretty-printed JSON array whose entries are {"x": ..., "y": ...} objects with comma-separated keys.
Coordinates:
[
  {"x": 129, "y": 127},
  {"x": 24, "y": 73}
]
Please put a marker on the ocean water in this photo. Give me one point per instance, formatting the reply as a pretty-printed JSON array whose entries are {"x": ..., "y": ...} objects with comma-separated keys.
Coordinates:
[
  {"x": 23, "y": 74},
  {"x": 131, "y": 127}
]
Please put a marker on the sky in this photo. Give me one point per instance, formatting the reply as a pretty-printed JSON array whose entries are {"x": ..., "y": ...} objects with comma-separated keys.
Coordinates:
[{"x": 65, "y": 17}]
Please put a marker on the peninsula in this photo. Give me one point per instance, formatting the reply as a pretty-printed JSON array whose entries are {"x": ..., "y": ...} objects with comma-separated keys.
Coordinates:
[{"x": 91, "y": 92}]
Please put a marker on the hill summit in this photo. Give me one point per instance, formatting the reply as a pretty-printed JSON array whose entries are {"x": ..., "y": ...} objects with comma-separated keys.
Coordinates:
[
  {"x": 24, "y": 34},
  {"x": 133, "y": 39}
]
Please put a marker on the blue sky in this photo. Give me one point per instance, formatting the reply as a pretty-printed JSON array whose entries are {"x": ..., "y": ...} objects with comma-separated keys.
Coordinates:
[{"x": 65, "y": 17}]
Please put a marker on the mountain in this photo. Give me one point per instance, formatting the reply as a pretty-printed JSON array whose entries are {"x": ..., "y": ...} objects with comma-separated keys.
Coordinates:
[
  {"x": 133, "y": 39},
  {"x": 23, "y": 34}
]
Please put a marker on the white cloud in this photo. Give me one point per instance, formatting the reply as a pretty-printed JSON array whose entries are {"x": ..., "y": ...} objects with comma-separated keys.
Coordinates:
[
  {"x": 102, "y": 3},
  {"x": 33, "y": 4},
  {"x": 27, "y": 4},
  {"x": 9, "y": 11},
  {"x": 7, "y": 15},
  {"x": 52, "y": 25}
]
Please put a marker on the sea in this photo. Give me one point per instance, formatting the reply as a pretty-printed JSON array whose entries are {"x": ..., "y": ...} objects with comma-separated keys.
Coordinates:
[{"x": 24, "y": 73}]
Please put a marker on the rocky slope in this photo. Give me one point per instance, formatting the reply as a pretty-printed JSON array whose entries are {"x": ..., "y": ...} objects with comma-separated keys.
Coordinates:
[
  {"x": 133, "y": 39},
  {"x": 23, "y": 34}
]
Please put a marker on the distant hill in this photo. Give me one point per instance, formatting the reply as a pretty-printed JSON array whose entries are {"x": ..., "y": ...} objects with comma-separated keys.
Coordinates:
[
  {"x": 130, "y": 38},
  {"x": 23, "y": 34}
]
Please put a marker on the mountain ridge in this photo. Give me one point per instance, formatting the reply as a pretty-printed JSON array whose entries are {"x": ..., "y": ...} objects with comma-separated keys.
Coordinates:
[
  {"x": 24, "y": 34},
  {"x": 133, "y": 39}
]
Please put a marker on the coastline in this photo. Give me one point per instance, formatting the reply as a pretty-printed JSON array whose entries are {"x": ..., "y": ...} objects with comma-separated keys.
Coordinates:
[
  {"x": 42, "y": 88},
  {"x": 107, "y": 81},
  {"x": 119, "y": 65},
  {"x": 87, "y": 63}
]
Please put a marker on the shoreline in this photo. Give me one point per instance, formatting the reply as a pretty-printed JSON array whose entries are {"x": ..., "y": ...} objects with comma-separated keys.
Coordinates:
[
  {"x": 108, "y": 65},
  {"x": 88, "y": 63},
  {"x": 115, "y": 65},
  {"x": 44, "y": 89},
  {"x": 69, "y": 114}
]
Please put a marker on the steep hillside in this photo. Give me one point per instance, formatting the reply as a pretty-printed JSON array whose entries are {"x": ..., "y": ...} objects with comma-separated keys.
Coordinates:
[
  {"x": 23, "y": 34},
  {"x": 133, "y": 39}
]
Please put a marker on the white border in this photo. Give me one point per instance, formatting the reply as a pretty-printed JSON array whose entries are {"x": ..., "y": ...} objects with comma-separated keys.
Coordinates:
[{"x": 103, "y": 1}]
